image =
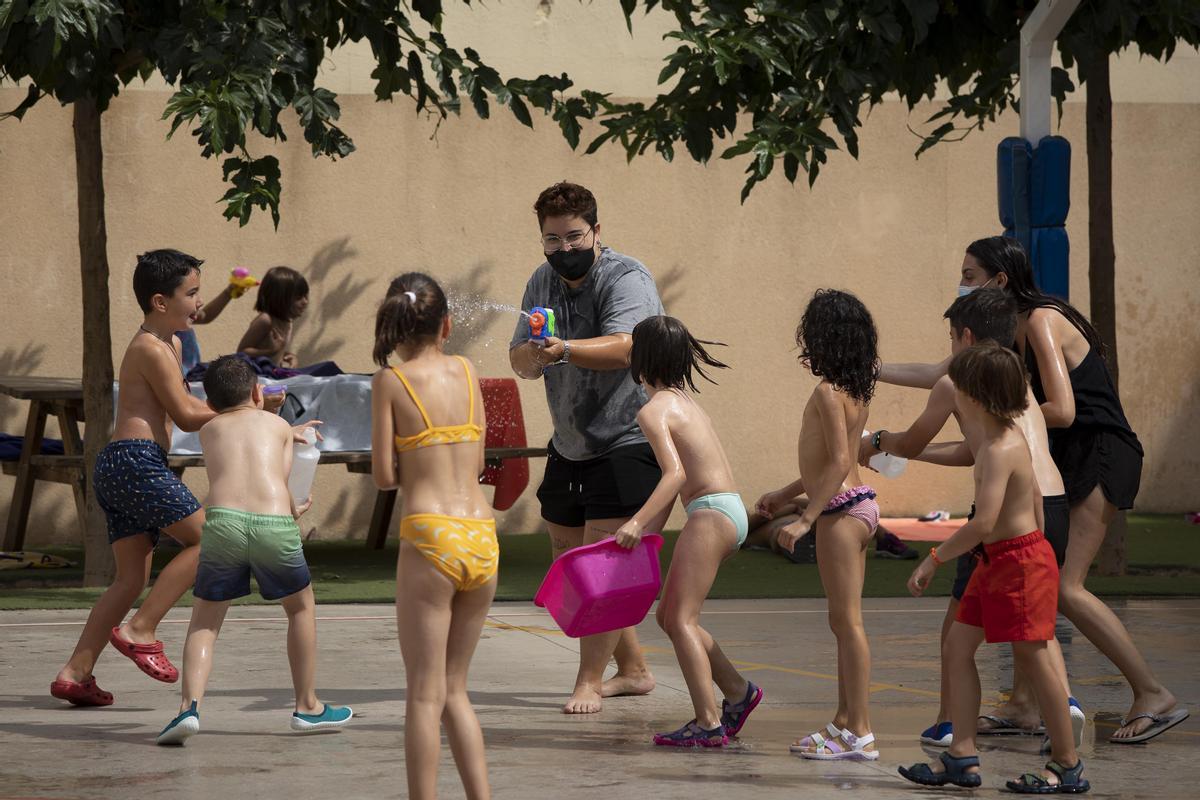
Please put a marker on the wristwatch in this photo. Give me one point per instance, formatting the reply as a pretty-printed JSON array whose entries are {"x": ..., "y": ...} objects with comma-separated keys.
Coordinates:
[{"x": 566, "y": 356}]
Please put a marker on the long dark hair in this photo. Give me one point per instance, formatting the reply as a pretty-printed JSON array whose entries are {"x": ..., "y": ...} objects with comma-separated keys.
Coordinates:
[
  {"x": 413, "y": 309},
  {"x": 838, "y": 342},
  {"x": 664, "y": 353},
  {"x": 998, "y": 254},
  {"x": 279, "y": 291}
]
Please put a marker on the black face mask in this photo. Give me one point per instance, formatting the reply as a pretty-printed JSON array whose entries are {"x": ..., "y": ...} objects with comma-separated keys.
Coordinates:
[{"x": 571, "y": 265}]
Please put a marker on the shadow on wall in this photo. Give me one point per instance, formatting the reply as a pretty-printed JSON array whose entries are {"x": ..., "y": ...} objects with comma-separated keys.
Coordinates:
[
  {"x": 332, "y": 300},
  {"x": 13, "y": 361},
  {"x": 671, "y": 287}
]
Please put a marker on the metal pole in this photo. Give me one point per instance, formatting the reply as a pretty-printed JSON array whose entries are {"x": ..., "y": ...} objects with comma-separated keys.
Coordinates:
[{"x": 1037, "y": 41}]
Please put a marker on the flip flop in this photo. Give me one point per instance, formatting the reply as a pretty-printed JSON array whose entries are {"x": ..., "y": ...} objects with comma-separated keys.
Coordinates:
[
  {"x": 149, "y": 658},
  {"x": 1160, "y": 723},
  {"x": 1002, "y": 726},
  {"x": 81, "y": 693}
]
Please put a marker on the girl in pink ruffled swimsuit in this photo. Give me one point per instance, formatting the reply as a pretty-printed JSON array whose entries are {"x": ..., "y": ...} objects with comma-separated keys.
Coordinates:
[{"x": 837, "y": 342}]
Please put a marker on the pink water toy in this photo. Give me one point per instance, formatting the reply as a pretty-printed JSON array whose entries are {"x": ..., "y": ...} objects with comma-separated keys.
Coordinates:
[{"x": 602, "y": 587}]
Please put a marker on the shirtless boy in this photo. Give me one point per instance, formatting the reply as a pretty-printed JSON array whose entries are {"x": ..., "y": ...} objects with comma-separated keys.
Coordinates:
[
  {"x": 139, "y": 493},
  {"x": 250, "y": 529},
  {"x": 986, "y": 315},
  {"x": 1013, "y": 593}
]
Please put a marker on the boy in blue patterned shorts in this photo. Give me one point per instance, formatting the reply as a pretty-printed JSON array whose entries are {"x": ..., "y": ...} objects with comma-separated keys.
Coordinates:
[
  {"x": 135, "y": 486},
  {"x": 250, "y": 529}
]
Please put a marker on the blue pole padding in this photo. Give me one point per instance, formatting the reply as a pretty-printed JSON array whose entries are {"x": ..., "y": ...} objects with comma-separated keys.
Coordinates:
[{"x": 1034, "y": 198}]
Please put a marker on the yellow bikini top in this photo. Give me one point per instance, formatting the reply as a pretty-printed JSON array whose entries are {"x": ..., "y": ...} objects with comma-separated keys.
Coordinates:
[{"x": 443, "y": 434}]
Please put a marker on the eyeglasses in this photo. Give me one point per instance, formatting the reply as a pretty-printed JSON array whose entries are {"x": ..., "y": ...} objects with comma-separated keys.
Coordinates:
[{"x": 552, "y": 243}]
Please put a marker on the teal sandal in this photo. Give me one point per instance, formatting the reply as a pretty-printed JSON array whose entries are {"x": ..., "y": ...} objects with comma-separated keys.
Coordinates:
[
  {"x": 1070, "y": 781},
  {"x": 956, "y": 772}
]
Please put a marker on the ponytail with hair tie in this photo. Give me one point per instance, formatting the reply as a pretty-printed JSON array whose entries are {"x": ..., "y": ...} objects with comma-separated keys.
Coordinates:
[{"x": 401, "y": 318}]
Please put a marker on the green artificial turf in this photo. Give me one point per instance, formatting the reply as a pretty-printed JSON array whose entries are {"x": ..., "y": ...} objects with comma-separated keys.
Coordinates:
[{"x": 1164, "y": 560}]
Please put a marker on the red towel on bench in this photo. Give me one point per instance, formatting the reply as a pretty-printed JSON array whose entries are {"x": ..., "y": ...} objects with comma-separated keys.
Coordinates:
[{"x": 505, "y": 428}]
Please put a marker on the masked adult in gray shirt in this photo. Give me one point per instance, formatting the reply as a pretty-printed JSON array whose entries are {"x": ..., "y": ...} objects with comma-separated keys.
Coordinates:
[{"x": 600, "y": 469}]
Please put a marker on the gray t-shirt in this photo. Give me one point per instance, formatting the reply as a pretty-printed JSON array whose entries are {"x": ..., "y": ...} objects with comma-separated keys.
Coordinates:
[{"x": 594, "y": 411}]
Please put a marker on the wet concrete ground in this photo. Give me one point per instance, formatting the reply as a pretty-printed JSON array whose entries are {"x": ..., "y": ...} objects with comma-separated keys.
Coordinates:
[{"x": 521, "y": 673}]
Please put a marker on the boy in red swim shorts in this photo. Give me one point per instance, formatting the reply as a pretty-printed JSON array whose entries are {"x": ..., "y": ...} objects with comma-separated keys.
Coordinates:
[{"x": 1013, "y": 594}]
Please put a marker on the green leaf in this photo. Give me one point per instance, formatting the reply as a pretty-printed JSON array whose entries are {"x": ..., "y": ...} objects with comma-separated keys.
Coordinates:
[
  {"x": 520, "y": 111},
  {"x": 430, "y": 11},
  {"x": 791, "y": 167},
  {"x": 628, "y": 7},
  {"x": 569, "y": 126}
]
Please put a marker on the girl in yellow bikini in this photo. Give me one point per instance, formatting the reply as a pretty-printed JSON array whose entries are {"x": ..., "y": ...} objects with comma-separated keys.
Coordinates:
[{"x": 427, "y": 426}]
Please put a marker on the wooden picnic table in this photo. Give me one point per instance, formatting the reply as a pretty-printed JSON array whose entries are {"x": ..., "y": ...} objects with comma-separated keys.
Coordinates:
[{"x": 63, "y": 397}]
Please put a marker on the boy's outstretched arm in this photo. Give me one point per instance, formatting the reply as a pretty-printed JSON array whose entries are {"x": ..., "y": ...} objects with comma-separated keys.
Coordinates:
[
  {"x": 947, "y": 454},
  {"x": 653, "y": 421},
  {"x": 916, "y": 376},
  {"x": 909, "y": 443},
  {"x": 162, "y": 374},
  {"x": 385, "y": 468},
  {"x": 213, "y": 308}
]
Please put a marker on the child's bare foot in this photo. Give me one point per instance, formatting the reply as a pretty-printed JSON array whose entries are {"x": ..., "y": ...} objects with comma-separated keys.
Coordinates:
[
  {"x": 1156, "y": 703},
  {"x": 584, "y": 700},
  {"x": 621, "y": 685}
]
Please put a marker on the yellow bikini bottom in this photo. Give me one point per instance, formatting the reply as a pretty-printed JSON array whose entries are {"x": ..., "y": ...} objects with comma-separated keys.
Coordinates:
[{"x": 465, "y": 550}]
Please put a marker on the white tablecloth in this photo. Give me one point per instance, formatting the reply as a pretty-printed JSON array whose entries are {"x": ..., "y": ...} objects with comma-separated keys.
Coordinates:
[{"x": 342, "y": 403}]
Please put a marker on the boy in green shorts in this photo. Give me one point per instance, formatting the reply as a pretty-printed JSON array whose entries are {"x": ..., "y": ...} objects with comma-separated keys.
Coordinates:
[{"x": 250, "y": 528}]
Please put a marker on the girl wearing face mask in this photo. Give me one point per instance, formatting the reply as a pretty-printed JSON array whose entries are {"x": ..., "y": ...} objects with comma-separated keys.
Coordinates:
[{"x": 1093, "y": 446}]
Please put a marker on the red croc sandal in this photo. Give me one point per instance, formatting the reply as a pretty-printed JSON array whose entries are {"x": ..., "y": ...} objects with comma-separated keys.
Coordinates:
[
  {"x": 81, "y": 693},
  {"x": 149, "y": 657}
]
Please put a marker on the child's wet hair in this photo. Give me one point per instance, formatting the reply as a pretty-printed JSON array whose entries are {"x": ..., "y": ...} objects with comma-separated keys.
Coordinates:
[
  {"x": 280, "y": 290},
  {"x": 994, "y": 377},
  {"x": 229, "y": 381},
  {"x": 838, "y": 342},
  {"x": 990, "y": 314},
  {"x": 413, "y": 309},
  {"x": 161, "y": 272},
  {"x": 665, "y": 354}
]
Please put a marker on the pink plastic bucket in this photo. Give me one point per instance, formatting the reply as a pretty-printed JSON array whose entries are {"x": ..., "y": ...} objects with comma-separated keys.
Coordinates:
[{"x": 602, "y": 587}]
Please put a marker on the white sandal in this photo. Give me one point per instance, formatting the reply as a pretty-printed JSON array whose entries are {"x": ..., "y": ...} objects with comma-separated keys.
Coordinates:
[
  {"x": 816, "y": 740},
  {"x": 832, "y": 750}
]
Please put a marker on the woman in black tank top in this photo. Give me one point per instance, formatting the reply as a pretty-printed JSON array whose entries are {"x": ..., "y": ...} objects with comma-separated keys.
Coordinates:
[{"x": 1096, "y": 451}]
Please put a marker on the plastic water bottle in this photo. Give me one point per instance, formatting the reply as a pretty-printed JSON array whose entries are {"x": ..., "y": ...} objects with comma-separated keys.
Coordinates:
[
  {"x": 886, "y": 464},
  {"x": 304, "y": 466}
]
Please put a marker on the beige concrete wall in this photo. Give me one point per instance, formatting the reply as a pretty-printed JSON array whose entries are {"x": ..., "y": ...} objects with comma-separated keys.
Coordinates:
[{"x": 455, "y": 200}]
